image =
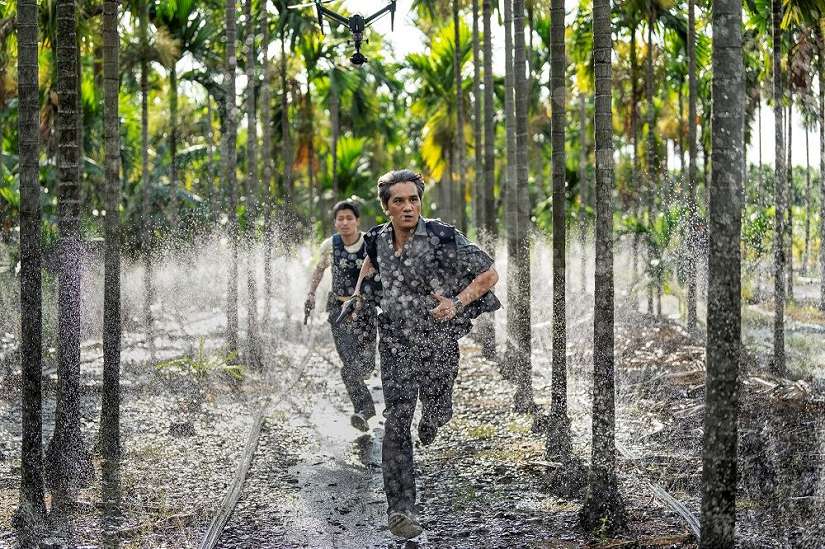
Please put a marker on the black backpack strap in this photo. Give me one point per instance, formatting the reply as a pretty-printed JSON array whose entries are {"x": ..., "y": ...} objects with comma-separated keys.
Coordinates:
[
  {"x": 337, "y": 242},
  {"x": 371, "y": 244}
]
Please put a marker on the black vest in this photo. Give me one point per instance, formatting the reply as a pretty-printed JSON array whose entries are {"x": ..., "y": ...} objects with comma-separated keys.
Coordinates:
[{"x": 345, "y": 267}]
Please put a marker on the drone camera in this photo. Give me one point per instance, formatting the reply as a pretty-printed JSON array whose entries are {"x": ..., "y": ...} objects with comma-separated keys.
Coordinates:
[{"x": 358, "y": 58}]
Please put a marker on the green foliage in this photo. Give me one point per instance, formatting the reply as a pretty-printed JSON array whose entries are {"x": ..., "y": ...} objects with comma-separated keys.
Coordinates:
[{"x": 202, "y": 364}]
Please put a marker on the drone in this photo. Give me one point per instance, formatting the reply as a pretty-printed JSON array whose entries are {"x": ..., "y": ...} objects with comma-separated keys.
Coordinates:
[{"x": 356, "y": 24}]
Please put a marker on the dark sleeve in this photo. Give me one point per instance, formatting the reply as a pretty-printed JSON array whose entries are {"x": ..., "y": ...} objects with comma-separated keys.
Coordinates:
[{"x": 472, "y": 260}]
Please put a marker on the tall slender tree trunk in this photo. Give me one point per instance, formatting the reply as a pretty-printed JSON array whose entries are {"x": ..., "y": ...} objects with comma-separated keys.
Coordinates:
[
  {"x": 310, "y": 121},
  {"x": 779, "y": 218},
  {"x": 286, "y": 147},
  {"x": 69, "y": 462},
  {"x": 210, "y": 154},
  {"x": 821, "y": 71},
  {"x": 761, "y": 176},
  {"x": 652, "y": 166},
  {"x": 808, "y": 198},
  {"x": 266, "y": 158},
  {"x": 173, "y": 148},
  {"x": 32, "y": 508},
  {"x": 335, "y": 127},
  {"x": 147, "y": 217},
  {"x": 603, "y": 505},
  {"x": 635, "y": 130},
  {"x": 489, "y": 227},
  {"x": 524, "y": 397},
  {"x": 511, "y": 194},
  {"x": 790, "y": 195},
  {"x": 460, "y": 210},
  {"x": 691, "y": 186},
  {"x": 583, "y": 193},
  {"x": 252, "y": 347},
  {"x": 110, "y": 395},
  {"x": 230, "y": 162},
  {"x": 724, "y": 290},
  {"x": 478, "y": 181},
  {"x": 558, "y": 441}
]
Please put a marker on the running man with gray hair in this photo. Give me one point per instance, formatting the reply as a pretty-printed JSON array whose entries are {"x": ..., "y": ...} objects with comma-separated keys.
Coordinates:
[{"x": 434, "y": 282}]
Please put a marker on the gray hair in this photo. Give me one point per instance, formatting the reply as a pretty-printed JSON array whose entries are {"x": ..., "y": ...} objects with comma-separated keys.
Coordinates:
[{"x": 398, "y": 176}]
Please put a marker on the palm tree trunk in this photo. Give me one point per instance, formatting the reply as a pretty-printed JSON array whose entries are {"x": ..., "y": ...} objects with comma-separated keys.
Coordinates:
[
  {"x": 334, "y": 109},
  {"x": 460, "y": 210},
  {"x": 310, "y": 120},
  {"x": 583, "y": 193},
  {"x": 266, "y": 158},
  {"x": 634, "y": 125},
  {"x": 724, "y": 291},
  {"x": 511, "y": 193},
  {"x": 147, "y": 217},
  {"x": 807, "y": 203},
  {"x": 821, "y": 71},
  {"x": 488, "y": 234},
  {"x": 761, "y": 176},
  {"x": 652, "y": 167},
  {"x": 285, "y": 144},
  {"x": 210, "y": 155},
  {"x": 524, "y": 401},
  {"x": 173, "y": 148},
  {"x": 691, "y": 198},
  {"x": 558, "y": 440},
  {"x": 110, "y": 397},
  {"x": 230, "y": 159},
  {"x": 32, "y": 508},
  {"x": 478, "y": 181},
  {"x": 68, "y": 461},
  {"x": 779, "y": 218},
  {"x": 790, "y": 196},
  {"x": 251, "y": 191},
  {"x": 603, "y": 505}
]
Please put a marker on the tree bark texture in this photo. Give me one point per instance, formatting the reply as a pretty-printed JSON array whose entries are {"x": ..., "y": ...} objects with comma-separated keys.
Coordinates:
[
  {"x": 110, "y": 397},
  {"x": 691, "y": 198},
  {"x": 251, "y": 190},
  {"x": 460, "y": 210},
  {"x": 230, "y": 159},
  {"x": 173, "y": 148},
  {"x": 147, "y": 218},
  {"x": 583, "y": 197},
  {"x": 724, "y": 344},
  {"x": 478, "y": 187},
  {"x": 558, "y": 437},
  {"x": 488, "y": 230},
  {"x": 266, "y": 158},
  {"x": 603, "y": 504},
  {"x": 32, "y": 508},
  {"x": 511, "y": 196},
  {"x": 521, "y": 259},
  {"x": 779, "y": 217},
  {"x": 68, "y": 461}
]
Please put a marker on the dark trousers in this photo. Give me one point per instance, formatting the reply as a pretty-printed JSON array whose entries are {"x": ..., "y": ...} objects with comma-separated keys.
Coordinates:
[
  {"x": 355, "y": 343},
  {"x": 422, "y": 367}
]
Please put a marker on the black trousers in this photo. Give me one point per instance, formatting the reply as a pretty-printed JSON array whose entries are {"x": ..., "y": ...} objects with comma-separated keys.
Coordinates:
[
  {"x": 355, "y": 343},
  {"x": 424, "y": 366}
]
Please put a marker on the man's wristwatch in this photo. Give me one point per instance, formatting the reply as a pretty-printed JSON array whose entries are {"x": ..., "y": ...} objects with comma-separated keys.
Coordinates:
[{"x": 457, "y": 305}]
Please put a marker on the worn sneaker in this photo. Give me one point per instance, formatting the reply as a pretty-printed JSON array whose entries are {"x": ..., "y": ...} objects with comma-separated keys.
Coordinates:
[
  {"x": 404, "y": 525},
  {"x": 359, "y": 421},
  {"x": 426, "y": 432}
]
